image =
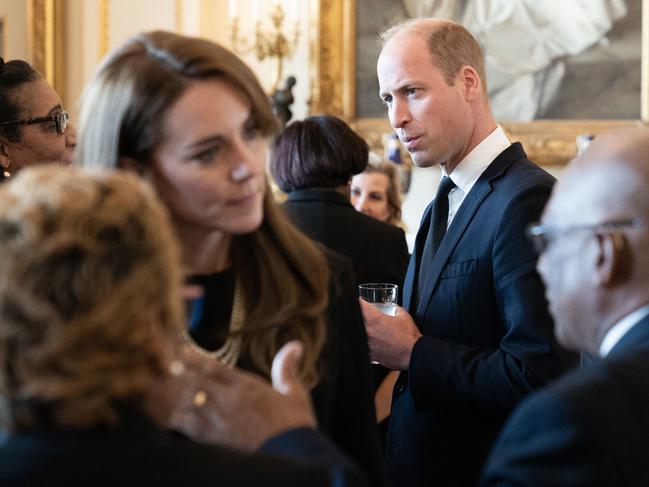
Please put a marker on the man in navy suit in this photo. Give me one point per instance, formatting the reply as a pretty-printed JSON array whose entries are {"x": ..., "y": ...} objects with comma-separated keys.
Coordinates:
[
  {"x": 476, "y": 336},
  {"x": 590, "y": 428}
]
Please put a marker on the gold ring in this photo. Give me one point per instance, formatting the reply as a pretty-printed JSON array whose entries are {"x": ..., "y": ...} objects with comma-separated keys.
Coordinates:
[
  {"x": 176, "y": 368},
  {"x": 200, "y": 398}
]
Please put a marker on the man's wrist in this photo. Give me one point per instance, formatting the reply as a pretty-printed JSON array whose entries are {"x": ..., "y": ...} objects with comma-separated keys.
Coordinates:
[{"x": 405, "y": 358}]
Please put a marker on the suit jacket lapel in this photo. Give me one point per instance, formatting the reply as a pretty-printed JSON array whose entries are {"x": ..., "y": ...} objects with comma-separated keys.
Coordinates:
[
  {"x": 463, "y": 217},
  {"x": 459, "y": 224}
]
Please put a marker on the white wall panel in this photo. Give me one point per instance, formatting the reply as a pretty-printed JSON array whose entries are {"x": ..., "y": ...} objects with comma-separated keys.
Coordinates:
[
  {"x": 14, "y": 15},
  {"x": 128, "y": 17}
]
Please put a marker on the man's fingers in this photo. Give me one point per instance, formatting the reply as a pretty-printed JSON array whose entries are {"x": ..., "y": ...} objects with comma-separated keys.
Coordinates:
[
  {"x": 368, "y": 310},
  {"x": 284, "y": 371}
]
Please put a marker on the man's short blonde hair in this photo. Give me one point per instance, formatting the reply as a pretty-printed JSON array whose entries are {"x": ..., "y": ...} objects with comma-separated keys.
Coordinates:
[
  {"x": 88, "y": 264},
  {"x": 450, "y": 45}
]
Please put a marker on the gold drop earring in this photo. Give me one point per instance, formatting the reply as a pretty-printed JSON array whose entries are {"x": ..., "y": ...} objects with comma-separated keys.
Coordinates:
[{"x": 6, "y": 171}]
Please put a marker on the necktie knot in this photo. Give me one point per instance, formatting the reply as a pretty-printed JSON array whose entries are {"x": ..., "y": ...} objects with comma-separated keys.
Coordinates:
[{"x": 445, "y": 187}]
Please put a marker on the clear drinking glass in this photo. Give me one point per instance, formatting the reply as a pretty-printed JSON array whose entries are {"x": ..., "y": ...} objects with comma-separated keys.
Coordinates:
[{"x": 382, "y": 295}]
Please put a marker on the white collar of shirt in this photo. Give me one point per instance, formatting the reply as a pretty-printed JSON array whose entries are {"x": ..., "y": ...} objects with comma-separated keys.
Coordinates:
[
  {"x": 621, "y": 328},
  {"x": 467, "y": 172}
]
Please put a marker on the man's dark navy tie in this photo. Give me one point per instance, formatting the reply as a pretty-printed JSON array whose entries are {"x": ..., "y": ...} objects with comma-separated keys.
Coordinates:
[{"x": 436, "y": 231}]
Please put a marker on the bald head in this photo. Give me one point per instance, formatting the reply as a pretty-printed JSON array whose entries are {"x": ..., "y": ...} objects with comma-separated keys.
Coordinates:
[
  {"x": 596, "y": 270},
  {"x": 609, "y": 181},
  {"x": 421, "y": 27},
  {"x": 450, "y": 45}
]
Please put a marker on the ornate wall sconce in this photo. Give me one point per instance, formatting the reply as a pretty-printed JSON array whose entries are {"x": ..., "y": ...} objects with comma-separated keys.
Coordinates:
[{"x": 273, "y": 43}]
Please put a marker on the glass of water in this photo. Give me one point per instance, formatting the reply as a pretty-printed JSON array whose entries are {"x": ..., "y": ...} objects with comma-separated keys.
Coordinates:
[{"x": 383, "y": 296}]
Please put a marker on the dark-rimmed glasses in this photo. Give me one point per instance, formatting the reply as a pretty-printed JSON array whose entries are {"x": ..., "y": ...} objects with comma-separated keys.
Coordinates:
[
  {"x": 61, "y": 121},
  {"x": 542, "y": 235}
]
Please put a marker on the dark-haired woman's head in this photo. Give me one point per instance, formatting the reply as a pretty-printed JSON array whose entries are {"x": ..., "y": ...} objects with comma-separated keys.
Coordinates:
[
  {"x": 33, "y": 124},
  {"x": 318, "y": 152}
]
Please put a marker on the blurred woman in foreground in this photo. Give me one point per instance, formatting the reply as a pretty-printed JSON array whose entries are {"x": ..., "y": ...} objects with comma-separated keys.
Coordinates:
[{"x": 93, "y": 371}]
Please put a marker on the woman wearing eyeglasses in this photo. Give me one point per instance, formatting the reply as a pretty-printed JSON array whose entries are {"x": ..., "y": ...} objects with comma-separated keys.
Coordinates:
[{"x": 34, "y": 128}]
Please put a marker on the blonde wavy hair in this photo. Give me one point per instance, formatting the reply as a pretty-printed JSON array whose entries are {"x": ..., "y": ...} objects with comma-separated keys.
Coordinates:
[
  {"x": 87, "y": 263},
  {"x": 284, "y": 275},
  {"x": 393, "y": 192}
]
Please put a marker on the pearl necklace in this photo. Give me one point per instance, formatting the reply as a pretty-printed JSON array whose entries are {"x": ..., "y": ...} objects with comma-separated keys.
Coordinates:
[{"x": 229, "y": 352}]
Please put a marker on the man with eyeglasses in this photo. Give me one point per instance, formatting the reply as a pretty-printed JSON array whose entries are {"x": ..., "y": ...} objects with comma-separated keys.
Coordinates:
[
  {"x": 34, "y": 127},
  {"x": 590, "y": 428}
]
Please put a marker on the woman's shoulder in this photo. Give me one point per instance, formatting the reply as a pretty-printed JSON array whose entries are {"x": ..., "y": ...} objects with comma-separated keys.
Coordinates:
[{"x": 340, "y": 266}]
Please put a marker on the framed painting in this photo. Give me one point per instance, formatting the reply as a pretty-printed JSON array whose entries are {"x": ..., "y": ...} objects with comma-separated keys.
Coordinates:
[
  {"x": 46, "y": 39},
  {"x": 551, "y": 76},
  {"x": 2, "y": 37}
]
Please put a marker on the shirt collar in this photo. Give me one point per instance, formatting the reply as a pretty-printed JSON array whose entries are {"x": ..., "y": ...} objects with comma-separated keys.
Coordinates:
[
  {"x": 621, "y": 328},
  {"x": 467, "y": 172}
]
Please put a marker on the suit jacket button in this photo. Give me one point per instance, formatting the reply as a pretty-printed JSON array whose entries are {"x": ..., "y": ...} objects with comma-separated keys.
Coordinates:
[{"x": 401, "y": 388}]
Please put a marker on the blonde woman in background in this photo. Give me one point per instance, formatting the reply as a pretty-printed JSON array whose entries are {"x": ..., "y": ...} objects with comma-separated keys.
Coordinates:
[
  {"x": 376, "y": 192},
  {"x": 192, "y": 118}
]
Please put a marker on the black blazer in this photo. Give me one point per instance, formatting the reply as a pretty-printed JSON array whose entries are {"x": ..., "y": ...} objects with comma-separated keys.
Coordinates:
[
  {"x": 140, "y": 454},
  {"x": 343, "y": 398},
  {"x": 378, "y": 251},
  {"x": 589, "y": 428},
  {"x": 488, "y": 338}
]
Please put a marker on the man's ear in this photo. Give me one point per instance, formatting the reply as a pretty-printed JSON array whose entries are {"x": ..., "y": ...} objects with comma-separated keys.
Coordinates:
[
  {"x": 613, "y": 260},
  {"x": 470, "y": 79}
]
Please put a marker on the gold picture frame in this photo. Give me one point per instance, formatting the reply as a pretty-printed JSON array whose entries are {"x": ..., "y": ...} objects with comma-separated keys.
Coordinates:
[
  {"x": 547, "y": 142},
  {"x": 3, "y": 36},
  {"x": 46, "y": 40}
]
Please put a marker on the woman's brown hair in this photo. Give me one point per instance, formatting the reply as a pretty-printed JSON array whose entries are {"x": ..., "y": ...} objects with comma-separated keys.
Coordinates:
[
  {"x": 87, "y": 264},
  {"x": 284, "y": 275}
]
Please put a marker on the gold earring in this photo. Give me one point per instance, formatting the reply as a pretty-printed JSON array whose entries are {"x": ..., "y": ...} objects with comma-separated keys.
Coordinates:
[{"x": 6, "y": 171}]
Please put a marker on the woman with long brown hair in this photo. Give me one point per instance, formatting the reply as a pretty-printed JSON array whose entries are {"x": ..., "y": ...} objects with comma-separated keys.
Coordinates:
[{"x": 191, "y": 117}]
